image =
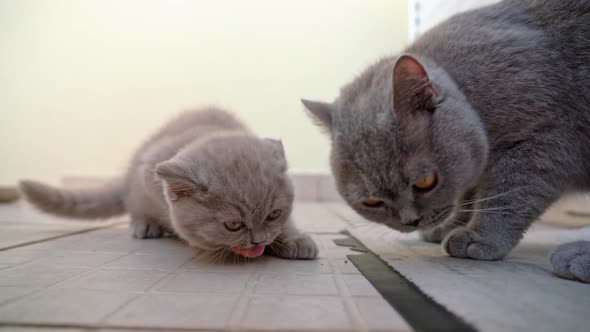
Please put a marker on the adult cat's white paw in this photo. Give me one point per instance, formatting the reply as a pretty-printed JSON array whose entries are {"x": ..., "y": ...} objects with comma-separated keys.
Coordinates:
[
  {"x": 466, "y": 243},
  {"x": 572, "y": 261},
  {"x": 301, "y": 248},
  {"x": 143, "y": 230}
]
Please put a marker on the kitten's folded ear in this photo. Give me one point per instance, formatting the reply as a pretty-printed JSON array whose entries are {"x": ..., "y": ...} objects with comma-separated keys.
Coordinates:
[
  {"x": 321, "y": 112},
  {"x": 179, "y": 183},
  {"x": 278, "y": 152},
  {"x": 412, "y": 88}
]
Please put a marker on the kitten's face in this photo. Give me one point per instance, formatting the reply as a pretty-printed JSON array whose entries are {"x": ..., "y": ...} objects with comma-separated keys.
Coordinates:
[
  {"x": 232, "y": 192},
  {"x": 403, "y": 158}
]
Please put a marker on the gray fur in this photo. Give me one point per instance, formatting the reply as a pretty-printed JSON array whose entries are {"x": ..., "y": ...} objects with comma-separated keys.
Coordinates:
[
  {"x": 200, "y": 170},
  {"x": 572, "y": 261},
  {"x": 502, "y": 115}
]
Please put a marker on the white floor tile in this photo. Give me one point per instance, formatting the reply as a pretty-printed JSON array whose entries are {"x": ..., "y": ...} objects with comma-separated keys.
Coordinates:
[
  {"x": 194, "y": 281},
  {"x": 9, "y": 293},
  {"x": 173, "y": 310},
  {"x": 76, "y": 259},
  {"x": 290, "y": 312},
  {"x": 64, "y": 306},
  {"x": 19, "y": 255},
  {"x": 36, "y": 276},
  {"x": 296, "y": 284},
  {"x": 358, "y": 285},
  {"x": 168, "y": 262},
  {"x": 380, "y": 316},
  {"x": 273, "y": 264},
  {"x": 116, "y": 280}
]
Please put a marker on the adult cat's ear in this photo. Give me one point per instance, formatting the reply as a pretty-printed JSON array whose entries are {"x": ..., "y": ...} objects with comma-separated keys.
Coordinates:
[
  {"x": 278, "y": 152},
  {"x": 321, "y": 112},
  {"x": 412, "y": 88},
  {"x": 178, "y": 182}
]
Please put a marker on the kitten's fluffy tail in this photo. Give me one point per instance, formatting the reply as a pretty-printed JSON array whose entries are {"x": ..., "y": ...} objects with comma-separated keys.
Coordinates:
[{"x": 97, "y": 203}]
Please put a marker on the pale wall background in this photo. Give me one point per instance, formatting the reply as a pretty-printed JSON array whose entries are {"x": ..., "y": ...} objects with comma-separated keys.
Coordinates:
[
  {"x": 425, "y": 14},
  {"x": 83, "y": 81}
]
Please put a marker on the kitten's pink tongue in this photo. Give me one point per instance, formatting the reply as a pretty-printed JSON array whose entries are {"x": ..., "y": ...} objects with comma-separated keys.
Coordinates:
[{"x": 249, "y": 252}]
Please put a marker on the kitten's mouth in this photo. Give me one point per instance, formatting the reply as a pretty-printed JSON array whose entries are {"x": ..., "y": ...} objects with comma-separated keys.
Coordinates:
[{"x": 251, "y": 252}]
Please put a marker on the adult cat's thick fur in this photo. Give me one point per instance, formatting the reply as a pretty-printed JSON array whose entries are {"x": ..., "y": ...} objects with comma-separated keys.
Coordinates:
[
  {"x": 496, "y": 103},
  {"x": 200, "y": 173}
]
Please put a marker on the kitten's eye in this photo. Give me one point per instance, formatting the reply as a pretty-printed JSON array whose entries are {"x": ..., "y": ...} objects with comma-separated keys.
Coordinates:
[
  {"x": 233, "y": 226},
  {"x": 426, "y": 183},
  {"x": 373, "y": 203},
  {"x": 274, "y": 214}
]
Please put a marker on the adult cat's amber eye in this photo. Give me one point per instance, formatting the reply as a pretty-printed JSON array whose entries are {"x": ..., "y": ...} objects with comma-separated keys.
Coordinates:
[
  {"x": 274, "y": 215},
  {"x": 427, "y": 182},
  {"x": 233, "y": 226},
  {"x": 372, "y": 203}
]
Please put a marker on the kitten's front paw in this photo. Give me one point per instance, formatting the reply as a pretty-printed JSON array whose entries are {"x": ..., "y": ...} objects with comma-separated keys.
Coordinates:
[
  {"x": 466, "y": 243},
  {"x": 301, "y": 248},
  {"x": 143, "y": 230},
  {"x": 572, "y": 261}
]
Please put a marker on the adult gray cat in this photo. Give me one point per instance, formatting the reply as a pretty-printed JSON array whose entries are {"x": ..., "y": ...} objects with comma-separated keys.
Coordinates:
[
  {"x": 206, "y": 178},
  {"x": 476, "y": 128}
]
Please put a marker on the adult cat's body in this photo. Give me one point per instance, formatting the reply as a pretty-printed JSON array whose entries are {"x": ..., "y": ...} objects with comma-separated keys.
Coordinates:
[
  {"x": 482, "y": 123},
  {"x": 204, "y": 177}
]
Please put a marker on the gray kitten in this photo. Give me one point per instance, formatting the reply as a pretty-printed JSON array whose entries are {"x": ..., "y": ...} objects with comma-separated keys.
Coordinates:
[
  {"x": 473, "y": 131},
  {"x": 204, "y": 177}
]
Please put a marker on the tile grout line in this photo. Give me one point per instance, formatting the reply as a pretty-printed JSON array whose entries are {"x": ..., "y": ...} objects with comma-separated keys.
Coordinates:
[
  {"x": 101, "y": 322},
  {"x": 91, "y": 327},
  {"x": 238, "y": 311},
  {"x": 87, "y": 230},
  {"x": 357, "y": 321},
  {"x": 91, "y": 270},
  {"x": 148, "y": 290},
  {"x": 55, "y": 285}
]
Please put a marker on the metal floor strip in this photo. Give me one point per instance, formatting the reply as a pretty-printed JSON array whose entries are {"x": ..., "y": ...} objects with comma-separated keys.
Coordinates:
[{"x": 420, "y": 311}]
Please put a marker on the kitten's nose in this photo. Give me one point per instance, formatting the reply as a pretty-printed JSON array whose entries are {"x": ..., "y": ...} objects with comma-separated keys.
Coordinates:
[{"x": 257, "y": 237}]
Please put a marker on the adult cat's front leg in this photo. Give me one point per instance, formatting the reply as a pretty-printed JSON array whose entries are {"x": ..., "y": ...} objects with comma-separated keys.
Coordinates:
[
  {"x": 292, "y": 244},
  {"x": 517, "y": 190}
]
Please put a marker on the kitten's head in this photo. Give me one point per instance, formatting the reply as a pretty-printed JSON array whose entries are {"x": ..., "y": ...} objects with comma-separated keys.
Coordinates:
[
  {"x": 229, "y": 192},
  {"x": 406, "y": 144}
]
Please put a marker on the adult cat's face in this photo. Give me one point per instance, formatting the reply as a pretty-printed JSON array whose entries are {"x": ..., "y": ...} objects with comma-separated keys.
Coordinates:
[
  {"x": 229, "y": 193},
  {"x": 405, "y": 147}
]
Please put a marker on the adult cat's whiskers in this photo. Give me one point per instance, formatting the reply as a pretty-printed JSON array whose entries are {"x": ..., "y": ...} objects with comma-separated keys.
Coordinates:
[
  {"x": 489, "y": 211},
  {"x": 473, "y": 201}
]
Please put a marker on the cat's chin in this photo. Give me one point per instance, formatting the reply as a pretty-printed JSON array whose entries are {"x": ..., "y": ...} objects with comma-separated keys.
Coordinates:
[{"x": 400, "y": 228}]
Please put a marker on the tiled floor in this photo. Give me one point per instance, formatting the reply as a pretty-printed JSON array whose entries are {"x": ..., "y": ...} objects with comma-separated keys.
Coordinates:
[{"x": 103, "y": 279}]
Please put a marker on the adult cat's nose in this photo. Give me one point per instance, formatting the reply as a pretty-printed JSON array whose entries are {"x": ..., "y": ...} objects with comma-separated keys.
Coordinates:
[
  {"x": 412, "y": 222},
  {"x": 409, "y": 217}
]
